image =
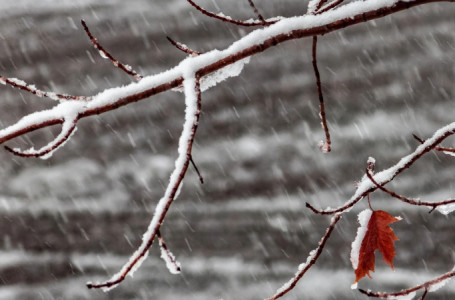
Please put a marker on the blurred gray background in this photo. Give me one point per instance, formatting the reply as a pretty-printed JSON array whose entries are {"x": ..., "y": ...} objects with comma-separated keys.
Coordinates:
[{"x": 79, "y": 215}]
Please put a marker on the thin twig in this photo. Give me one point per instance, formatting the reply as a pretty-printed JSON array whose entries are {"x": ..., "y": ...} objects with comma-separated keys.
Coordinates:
[
  {"x": 329, "y": 6},
  {"x": 201, "y": 179},
  {"x": 327, "y": 145},
  {"x": 405, "y": 292},
  {"x": 105, "y": 54},
  {"x": 183, "y": 48},
  {"x": 20, "y": 84},
  {"x": 320, "y": 4},
  {"x": 311, "y": 260},
  {"x": 256, "y": 11},
  {"x": 341, "y": 209},
  {"x": 230, "y": 20},
  {"x": 424, "y": 294},
  {"x": 408, "y": 200}
]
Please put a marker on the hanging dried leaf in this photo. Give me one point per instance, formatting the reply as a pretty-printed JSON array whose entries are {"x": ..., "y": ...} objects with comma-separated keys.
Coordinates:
[{"x": 374, "y": 233}]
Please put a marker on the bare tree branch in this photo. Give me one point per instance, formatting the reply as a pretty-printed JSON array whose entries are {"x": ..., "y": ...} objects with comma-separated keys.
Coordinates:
[
  {"x": 329, "y": 6},
  {"x": 106, "y": 55},
  {"x": 326, "y": 145},
  {"x": 201, "y": 179},
  {"x": 424, "y": 294},
  {"x": 256, "y": 11},
  {"x": 224, "y": 18},
  {"x": 183, "y": 47}
]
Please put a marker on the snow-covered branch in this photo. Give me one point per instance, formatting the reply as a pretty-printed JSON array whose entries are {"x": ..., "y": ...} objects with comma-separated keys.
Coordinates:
[
  {"x": 192, "y": 91},
  {"x": 216, "y": 65},
  {"x": 429, "y": 286},
  {"x": 310, "y": 261},
  {"x": 197, "y": 73},
  {"x": 366, "y": 185}
]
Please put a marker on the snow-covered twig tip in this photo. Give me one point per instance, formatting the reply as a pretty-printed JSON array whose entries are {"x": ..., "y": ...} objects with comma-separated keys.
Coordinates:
[
  {"x": 183, "y": 48},
  {"x": 171, "y": 263},
  {"x": 20, "y": 84},
  {"x": 429, "y": 286}
]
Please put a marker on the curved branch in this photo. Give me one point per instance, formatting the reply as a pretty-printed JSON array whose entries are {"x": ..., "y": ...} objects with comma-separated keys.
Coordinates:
[
  {"x": 426, "y": 285},
  {"x": 106, "y": 55},
  {"x": 227, "y": 19},
  {"x": 311, "y": 260},
  {"x": 68, "y": 128},
  {"x": 325, "y": 146}
]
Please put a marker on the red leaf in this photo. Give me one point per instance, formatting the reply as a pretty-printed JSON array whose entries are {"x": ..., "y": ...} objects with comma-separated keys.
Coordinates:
[{"x": 376, "y": 235}]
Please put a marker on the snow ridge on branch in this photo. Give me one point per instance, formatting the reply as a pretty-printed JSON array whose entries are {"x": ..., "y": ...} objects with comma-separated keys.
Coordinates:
[{"x": 195, "y": 74}]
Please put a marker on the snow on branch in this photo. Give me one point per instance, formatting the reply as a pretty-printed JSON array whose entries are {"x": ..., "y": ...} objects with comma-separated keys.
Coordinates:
[
  {"x": 192, "y": 91},
  {"x": 20, "y": 84},
  {"x": 417, "y": 202},
  {"x": 171, "y": 263},
  {"x": 68, "y": 128},
  {"x": 195, "y": 74},
  {"x": 445, "y": 150},
  {"x": 366, "y": 185},
  {"x": 325, "y": 146},
  {"x": 429, "y": 286},
  {"x": 183, "y": 47},
  {"x": 310, "y": 261},
  {"x": 258, "y": 14}
]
